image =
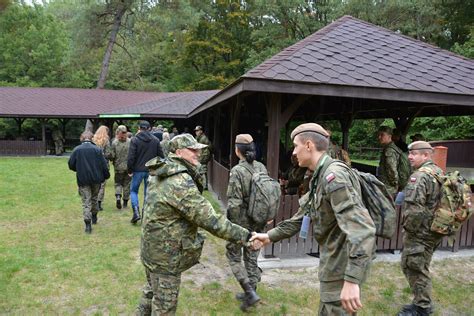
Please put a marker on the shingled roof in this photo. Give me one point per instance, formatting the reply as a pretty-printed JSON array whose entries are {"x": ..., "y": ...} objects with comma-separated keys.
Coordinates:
[
  {"x": 350, "y": 54},
  {"x": 353, "y": 52},
  {"x": 90, "y": 103}
]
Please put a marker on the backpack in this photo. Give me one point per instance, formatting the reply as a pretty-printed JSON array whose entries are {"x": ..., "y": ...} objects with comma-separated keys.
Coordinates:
[
  {"x": 455, "y": 204},
  {"x": 404, "y": 169},
  {"x": 378, "y": 202},
  {"x": 264, "y": 200}
]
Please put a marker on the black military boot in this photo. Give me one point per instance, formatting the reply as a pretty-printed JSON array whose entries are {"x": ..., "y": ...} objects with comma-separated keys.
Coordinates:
[
  {"x": 118, "y": 203},
  {"x": 136, "y": 215},
  {"x": 125, "y": 203},
  {"x": 251, "y": 297},
  {"x": 413, "y": 310},
  {"x": 241, "y": 296},
  {"x": 94, "y": 218},
  {"x": 99, "y": 205},
  {"x": 88, "y": 229}
]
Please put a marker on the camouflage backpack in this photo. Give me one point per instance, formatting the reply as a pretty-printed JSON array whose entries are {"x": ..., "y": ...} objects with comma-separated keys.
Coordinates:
[
  {"x": 404, "y": 169},
  {"x": 378, "y": 202},
  {"x": 455, "y": 203},
  {"x": 264, "y": 200}
]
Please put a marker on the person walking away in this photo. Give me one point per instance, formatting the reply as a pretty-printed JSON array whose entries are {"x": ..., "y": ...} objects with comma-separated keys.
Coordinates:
[
  {"x": 88, "y": 161},
  {"x": 422, "y": 195},
  {"x": 101, "y": 138},
  {"x": 342, "y": 224},
  {"x": 175, "y": 210},
  {"x": 143, "y": 147},
  {"x": 58, "y": 142},
  {"x": 205, "y": 156},
  {"x": 238, "y": 195},
  {"x": 118, "y": 155}
]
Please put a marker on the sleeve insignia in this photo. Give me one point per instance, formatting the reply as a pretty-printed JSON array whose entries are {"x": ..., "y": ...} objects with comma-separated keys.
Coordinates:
[
  {"x": 330, "y": 177},
  {"x": 412, "y": 179}
]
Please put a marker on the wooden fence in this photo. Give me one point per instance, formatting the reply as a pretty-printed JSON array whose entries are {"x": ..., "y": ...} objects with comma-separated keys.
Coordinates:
[
  {"x": 22, "y": 148},
  {"x": 295, "y": 246}
]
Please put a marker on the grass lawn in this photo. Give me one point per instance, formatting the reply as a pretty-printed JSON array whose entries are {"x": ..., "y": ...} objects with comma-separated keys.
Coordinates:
[{"x": 48, "y": 266}]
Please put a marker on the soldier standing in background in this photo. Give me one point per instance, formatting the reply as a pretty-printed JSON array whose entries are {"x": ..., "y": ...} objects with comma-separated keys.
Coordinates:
[
  {"x": 175, "y": 209},
  {"x": 58, "y": 142},
  {"x": 422, "y": 195},
  {"x": 238, "y": 194},
  {"x": 91, "y": 170},
  {"x": 205, "y": 156},
  {"x": 342, "y": 225},
  {"x": 165, "y": 143},
  {"x": 118, "y": 156},
  {"x": 393, "y": 170}
]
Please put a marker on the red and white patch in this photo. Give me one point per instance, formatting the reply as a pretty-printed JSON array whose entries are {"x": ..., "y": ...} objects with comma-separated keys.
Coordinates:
[
  {"x": 412, "y": 179},
  {"x": 330, "y": 177}
]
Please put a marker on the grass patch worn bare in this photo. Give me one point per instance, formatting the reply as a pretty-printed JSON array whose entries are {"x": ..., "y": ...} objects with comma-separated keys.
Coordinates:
[{"x": 48, "y": 266}]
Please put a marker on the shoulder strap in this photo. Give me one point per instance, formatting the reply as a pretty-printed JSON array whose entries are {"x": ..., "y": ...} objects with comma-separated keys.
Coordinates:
[{"x": 431, "y": 173}]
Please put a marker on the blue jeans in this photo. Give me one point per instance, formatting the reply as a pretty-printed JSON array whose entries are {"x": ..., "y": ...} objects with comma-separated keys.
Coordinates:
[{"x": 137, "y": 178}]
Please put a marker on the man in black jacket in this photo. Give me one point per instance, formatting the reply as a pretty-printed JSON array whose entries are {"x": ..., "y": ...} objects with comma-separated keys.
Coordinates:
[
  {"x": 143, "y": 147},
  {"x": 91, "y": 170}
]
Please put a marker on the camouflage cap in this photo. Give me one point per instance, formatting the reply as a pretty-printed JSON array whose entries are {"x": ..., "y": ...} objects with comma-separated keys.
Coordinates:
[
  {"x": 184, "y": 141},
  {"x": 419, "y": 145},
  {"x": 243, "y": 139},
  {"x": 309, "y": 127},
  {"x": 121, "y": 129}
]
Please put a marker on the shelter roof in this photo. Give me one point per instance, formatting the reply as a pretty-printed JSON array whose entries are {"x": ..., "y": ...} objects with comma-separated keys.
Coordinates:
[{"x": 90, "y": 103}]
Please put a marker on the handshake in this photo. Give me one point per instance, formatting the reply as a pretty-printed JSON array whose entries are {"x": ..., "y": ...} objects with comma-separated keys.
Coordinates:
[{"x": 258, "y": 240}]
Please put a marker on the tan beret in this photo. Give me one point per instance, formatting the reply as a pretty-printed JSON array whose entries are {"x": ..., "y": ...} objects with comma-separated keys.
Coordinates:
[
  {"x": 309, "y": 127},
  {"x": 418, "y": 145},
  {"x": 243, "y": 139}
]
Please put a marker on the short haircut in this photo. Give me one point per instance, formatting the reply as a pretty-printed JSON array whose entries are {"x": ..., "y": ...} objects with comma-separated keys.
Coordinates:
[
  {"x": 386, "y": 129},
  {"x": 318, "y": 140},
  {"x": 86, "y": 135},
  {"x": 424, "y": 151}
]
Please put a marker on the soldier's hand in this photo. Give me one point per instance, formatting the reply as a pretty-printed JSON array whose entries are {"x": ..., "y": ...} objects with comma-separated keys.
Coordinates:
[
  {"x": 259, "y": 240},
  {"x": 350, "y": 297}
]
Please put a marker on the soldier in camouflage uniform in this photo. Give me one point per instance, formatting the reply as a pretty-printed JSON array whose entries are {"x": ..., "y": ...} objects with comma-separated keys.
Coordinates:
[
  {"x": 58, "y": 142},
  {"x": 388, "y": 170},
  {"x": 205, "y": 156},
  {"x": 342, "y": 225},
  {"x": 174, "y": 210},
  {"x": 238, "y": 194},
  {"x": 118, "y": 156},
  {"x": 419, "y": 242}
]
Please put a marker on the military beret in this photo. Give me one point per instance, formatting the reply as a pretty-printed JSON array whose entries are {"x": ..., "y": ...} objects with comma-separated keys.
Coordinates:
[
  {"x": 121, "y": 129},
  {"x": 418, "y": 145},
  {"x": 385, "y": 129},
  {"x": 243, "y": 139},
  {"x": 309, "y": 127},
  {"x": 184, "y": 141}
]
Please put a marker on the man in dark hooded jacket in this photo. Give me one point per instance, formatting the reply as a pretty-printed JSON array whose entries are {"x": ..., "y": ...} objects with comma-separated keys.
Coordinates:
[{"x": 143, "y": 147}]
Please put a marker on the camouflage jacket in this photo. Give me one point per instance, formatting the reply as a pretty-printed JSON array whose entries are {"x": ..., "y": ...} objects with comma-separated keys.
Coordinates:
[
  {"x": 175, "y": 209},
  {"x": 119, "y": 153},
  {"x": 238, "y": 193},
  {"x": 165, "y": 147},
  {"x": 341, "y": 224},
  {"x": 295, "y": 177},
  {"x": 388, "y": 167},
  {"x": 205, "y": 155},
  {"x": 422, "y": 194}
]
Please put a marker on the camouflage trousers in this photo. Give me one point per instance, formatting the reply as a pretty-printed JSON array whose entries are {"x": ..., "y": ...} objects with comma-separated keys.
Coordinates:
[
  {"x": 122, "y": 184},
  {"x": 58, "y": 147},
  {"x": 203, "y": 173},
  {"x": 89, "y": 199},
  {"x": 416, "y": 259},
  {"x": 330, "y": 299},
  {"x": 160, "y": 294},
  {"x": 247, "y": 273},
  {"x": 101, "y": 195}
]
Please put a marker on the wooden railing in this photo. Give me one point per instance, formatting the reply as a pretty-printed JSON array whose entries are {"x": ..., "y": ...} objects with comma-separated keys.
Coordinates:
[
  {"x": 218, "y": 177},
  {"x": 22, "y": 148}
]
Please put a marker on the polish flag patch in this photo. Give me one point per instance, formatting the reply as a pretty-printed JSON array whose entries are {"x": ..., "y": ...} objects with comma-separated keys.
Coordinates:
[
  {"x": 330, "y": 177},
  {"x": 413, "y": 179}
]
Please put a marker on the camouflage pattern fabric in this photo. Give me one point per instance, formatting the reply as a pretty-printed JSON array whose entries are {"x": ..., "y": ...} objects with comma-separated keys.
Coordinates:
[
  {"x": 175, "y": 209},
  {"x": 165, "y": 147},
  {"x": 204, "y": 157},
  {"x": 118, "y": 154},
  {"x": 107, "y": 151},
  {"x": 330, "y": 304},
  {"x": 101, "y": 194},
  {"x": 238, "y": 193},
  {"x": 341, "y": 224},
  {"x": 295, "y": 176},
  {"x": 122, "y": 184},
  {"x": 58, "y": 142},
  {"x": 388, "y": 171},
  {"x": 421, "y": 198},
  {"x": 89, "y": 199}
]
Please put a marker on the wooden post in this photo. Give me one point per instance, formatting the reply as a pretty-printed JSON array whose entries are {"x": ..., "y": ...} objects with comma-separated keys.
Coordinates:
[
  {"x": 43, "y": 134},
  {"x": 273, "y": 144},
  {"x": 346, "y": 123},
  {"x": 63, "y": 123},
  {"x": 403, "y": 123},
  {"x": 234, "y": 125},
  {"x": 19, "y": 122}
]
